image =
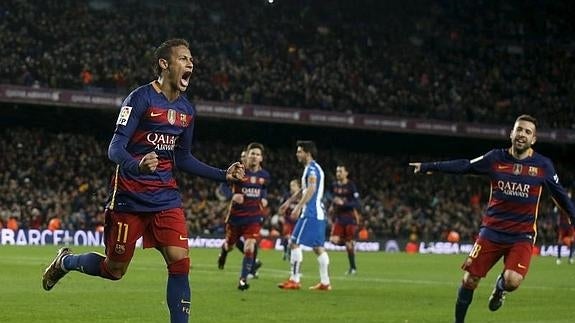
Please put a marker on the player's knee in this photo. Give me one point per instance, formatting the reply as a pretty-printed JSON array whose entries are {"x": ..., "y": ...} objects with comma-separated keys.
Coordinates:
[
  {"x": 112, "y": 272},
  {"x": 335, "y": 240},
  {"x": 250, "y": 245},
  {"x": 470, "y": 281},
  {"x": 115, "y": 276},
  {"x": 181, "y": 266},
  {"x": 318, "y": 250},
  {"x": 512, "y": 281},
  {"x": 469, "y": 284}
]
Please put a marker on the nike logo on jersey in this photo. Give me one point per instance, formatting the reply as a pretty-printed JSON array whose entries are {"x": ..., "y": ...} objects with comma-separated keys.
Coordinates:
[
  {"x": 521, "y": 266},
  {"x": 154, "y": 114},
  {"x": 183, "y": 238}
]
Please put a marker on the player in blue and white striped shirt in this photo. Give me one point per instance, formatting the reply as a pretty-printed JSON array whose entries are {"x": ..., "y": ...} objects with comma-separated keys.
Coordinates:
[{"x": 310, "y": 227}]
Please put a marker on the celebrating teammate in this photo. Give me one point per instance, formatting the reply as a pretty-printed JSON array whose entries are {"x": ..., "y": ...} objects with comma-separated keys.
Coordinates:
[
  {"x": 518, "y": 175},
  {"x": 344, "y": 210},
  {"x": 225, "y": 192},
  {"x": 246, "y": 211}
]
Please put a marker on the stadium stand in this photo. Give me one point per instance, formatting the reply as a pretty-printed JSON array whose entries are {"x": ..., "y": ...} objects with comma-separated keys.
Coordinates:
[{"x": 380, "y": 57}]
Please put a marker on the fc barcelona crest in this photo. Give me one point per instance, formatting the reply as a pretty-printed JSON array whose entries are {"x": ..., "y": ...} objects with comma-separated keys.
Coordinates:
[
  {"x": 253, "y": 179},
  {"x": 120, "y": 249},
  {"x": 533, "y": 171},
  {"x": 517, "y": 169},
  {"x": 183, "y": 120},
  {"x": 171, "y": 116}
]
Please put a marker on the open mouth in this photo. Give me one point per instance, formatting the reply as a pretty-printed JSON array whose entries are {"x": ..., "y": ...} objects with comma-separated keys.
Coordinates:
[
  {"x": 521, "y": 141},
  {"x": 185, "y": 80}
]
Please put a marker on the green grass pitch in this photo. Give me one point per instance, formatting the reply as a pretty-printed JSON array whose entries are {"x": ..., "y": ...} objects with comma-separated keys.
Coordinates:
[{"x": 388, "y": 288}]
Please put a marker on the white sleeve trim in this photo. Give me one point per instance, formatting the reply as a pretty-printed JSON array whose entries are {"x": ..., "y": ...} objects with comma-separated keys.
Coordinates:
[{"x": 473, "y": 161}]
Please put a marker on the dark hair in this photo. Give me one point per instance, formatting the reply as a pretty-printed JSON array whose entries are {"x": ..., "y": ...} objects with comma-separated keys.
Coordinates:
[
  {"x": 528, "y": 118},
  {"x": 308, "y": 146},
  {"x": 164, "y": 51},
  {"x": 339, "y": 163},
  {"x": 255, "y": 145}
]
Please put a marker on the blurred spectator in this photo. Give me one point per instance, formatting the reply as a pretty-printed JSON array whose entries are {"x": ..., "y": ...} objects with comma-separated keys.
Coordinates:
[
  {"x": 363, "y": 233},
  {"x": 55, "y": 224},
  {"x": 13, "y": 223},
  {"x": 87, "y": 78}
]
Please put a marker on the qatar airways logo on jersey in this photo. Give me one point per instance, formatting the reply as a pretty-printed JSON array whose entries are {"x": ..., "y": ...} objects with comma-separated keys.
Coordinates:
[
  {"x": 514, "y": 189},
  {"x": 251, "y": 191},
  {"x": 161, "y": 141}
]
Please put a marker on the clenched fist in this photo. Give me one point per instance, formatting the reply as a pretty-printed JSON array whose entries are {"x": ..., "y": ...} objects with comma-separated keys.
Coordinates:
[
  {"x": 238, "y": 198},
  {"x": 149, "y": 163},
  {"x": 235, "y": 172}
]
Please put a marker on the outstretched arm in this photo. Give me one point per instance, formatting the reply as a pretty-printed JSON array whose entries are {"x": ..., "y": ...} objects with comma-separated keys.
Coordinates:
[
  {"x": 479, "y": 165},
  {"x": 458, "y": 166},
  {"x": 416, "y": 167},
  {"x": 185, "y": 161}
]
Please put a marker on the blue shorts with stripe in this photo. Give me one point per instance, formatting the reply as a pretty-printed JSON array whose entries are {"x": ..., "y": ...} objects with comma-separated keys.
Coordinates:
[{"x": 309, "y": 232}]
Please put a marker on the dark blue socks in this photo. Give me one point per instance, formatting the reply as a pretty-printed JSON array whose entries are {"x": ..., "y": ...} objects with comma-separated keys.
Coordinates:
[
  {"x": 464, "y": 298},
  {"x": 88, "y": 263},
  {"x": 179, "y": 298}
]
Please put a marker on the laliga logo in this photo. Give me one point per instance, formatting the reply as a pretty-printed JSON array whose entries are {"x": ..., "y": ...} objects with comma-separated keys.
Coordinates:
[{"x": 161, "y": 141}]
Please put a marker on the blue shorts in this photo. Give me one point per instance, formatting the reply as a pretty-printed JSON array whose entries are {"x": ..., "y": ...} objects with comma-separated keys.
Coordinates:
[{"x": 309, "y": 232}]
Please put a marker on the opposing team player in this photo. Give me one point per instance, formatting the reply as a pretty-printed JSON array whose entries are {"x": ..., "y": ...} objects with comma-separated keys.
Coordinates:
[{"x": 311, "y": 224}]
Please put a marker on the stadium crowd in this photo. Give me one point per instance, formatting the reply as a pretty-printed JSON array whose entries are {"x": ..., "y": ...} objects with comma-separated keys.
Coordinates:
[
  {"x": 467, "y": 61},
  {"x": 46, "y": 175}
]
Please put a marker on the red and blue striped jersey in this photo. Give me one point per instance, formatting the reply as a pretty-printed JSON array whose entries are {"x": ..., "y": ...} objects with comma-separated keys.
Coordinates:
[
  {"x": 516, "y": 187},
  {"x": 149, "y": 122},
  {"x": 254, "y": 188},
  {"x": 346, "y": 213}
]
